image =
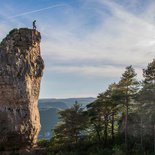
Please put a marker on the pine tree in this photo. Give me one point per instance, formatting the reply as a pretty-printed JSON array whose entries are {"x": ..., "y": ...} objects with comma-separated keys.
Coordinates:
[
  {"x": 103, "y": 112},
  {"x": 73, "y": 123},
  {"x": 149, "y": 73},
  {"x": 148, "y": 93},
  {"x": 128, "y": 85},
  {"x": 116, "y": 106},
  {"x": 95, "y": 114}
]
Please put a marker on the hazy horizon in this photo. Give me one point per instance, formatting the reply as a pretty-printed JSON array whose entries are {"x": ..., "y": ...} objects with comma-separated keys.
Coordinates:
[{"x": 67, "y": 97}]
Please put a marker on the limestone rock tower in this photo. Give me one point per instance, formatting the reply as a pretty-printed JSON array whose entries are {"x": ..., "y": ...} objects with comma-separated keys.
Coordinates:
[{"x": 21, "y": 70}]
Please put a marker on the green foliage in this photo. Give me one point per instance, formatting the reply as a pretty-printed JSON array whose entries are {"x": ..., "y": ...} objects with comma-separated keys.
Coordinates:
[
  {"x": 104, "y": 112},
  {"x": 99, "y": 151},
  {"x": 71, "y": 128},
  {"x": 128, "y": 85},
  {"x": 119, "y": 122},
  {"x": 117, "y": 150},
  {"x": 12, "y": 31},
  {"x": 43, "y": 143},
  {"x": 149, "y": 73}
]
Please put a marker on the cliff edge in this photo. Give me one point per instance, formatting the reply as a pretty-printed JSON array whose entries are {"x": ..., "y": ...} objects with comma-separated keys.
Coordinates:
[{"x": 21, "y": 70}]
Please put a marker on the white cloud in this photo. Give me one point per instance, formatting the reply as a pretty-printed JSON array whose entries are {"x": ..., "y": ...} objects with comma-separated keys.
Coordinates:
[
  {"x": 105, "y": 71},
  {"x": 35, "y": 11},
  {"x": 122, "y": 39}
]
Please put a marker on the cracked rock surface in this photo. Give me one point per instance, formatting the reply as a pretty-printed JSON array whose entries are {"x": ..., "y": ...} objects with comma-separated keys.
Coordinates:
[{"x": 21, "y": 70}]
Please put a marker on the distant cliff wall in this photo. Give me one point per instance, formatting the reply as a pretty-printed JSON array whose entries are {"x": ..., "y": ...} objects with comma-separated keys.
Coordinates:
[{"x": 21, "y": 69}]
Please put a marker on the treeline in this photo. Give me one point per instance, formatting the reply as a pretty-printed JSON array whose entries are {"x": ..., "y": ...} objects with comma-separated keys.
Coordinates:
[{"x": 120, "y": 121}]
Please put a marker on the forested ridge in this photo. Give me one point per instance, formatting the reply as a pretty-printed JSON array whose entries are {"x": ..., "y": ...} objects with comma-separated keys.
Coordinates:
[{"x": 120, "y": 121}]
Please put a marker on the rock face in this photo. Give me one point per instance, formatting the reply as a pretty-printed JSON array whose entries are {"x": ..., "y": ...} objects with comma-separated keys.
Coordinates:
[{"x": 21, "y": 69}]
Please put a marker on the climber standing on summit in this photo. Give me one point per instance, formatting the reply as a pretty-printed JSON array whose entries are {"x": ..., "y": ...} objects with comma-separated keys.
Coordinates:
[
  {"x": 34, "y": 31},
  {"x": 34, "y": 25}
]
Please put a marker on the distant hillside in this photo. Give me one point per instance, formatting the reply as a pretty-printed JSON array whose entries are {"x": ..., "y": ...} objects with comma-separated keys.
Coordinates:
[
  {"x": 48, "y": 119},
  {"x": 49, "y": 108},
  {"x": 47, "y": 104},
  {"x": 63, "y": 103}
]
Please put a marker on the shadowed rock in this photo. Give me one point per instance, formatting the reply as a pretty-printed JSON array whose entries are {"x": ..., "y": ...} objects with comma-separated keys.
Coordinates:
[{"x": 21, "y": 69}]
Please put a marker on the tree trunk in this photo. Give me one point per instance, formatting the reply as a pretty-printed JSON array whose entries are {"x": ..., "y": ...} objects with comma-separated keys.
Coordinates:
[
  {"x": 141, "y": 134},
  {"x": 76, "y": 138},
  {"x": 105, "y": 130},
  {"x": 112, "y": 128},
  {"x": 154, "y": 137},
  {"x": 126, "y": 125},
  {"x": 97, "y": 133}
]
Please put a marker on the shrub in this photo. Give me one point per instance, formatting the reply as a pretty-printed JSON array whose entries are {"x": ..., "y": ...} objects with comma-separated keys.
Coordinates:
[
  {"x": 12, "y": 31},
  {"x": 43, "y": 143},
  {"x": 117, "y": 150}
]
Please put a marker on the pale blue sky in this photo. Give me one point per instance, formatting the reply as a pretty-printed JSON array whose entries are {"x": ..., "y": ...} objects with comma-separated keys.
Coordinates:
[{"x": 86, "y": 44}]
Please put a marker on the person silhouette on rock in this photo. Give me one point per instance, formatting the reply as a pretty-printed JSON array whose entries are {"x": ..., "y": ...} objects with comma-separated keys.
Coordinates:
[
  {"x": 34, "y": 31},
  {"x": 34, "y": 25}
]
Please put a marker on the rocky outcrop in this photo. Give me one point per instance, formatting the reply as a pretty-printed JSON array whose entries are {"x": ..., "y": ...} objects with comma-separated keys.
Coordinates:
[{"x": 21, "y": 69}]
